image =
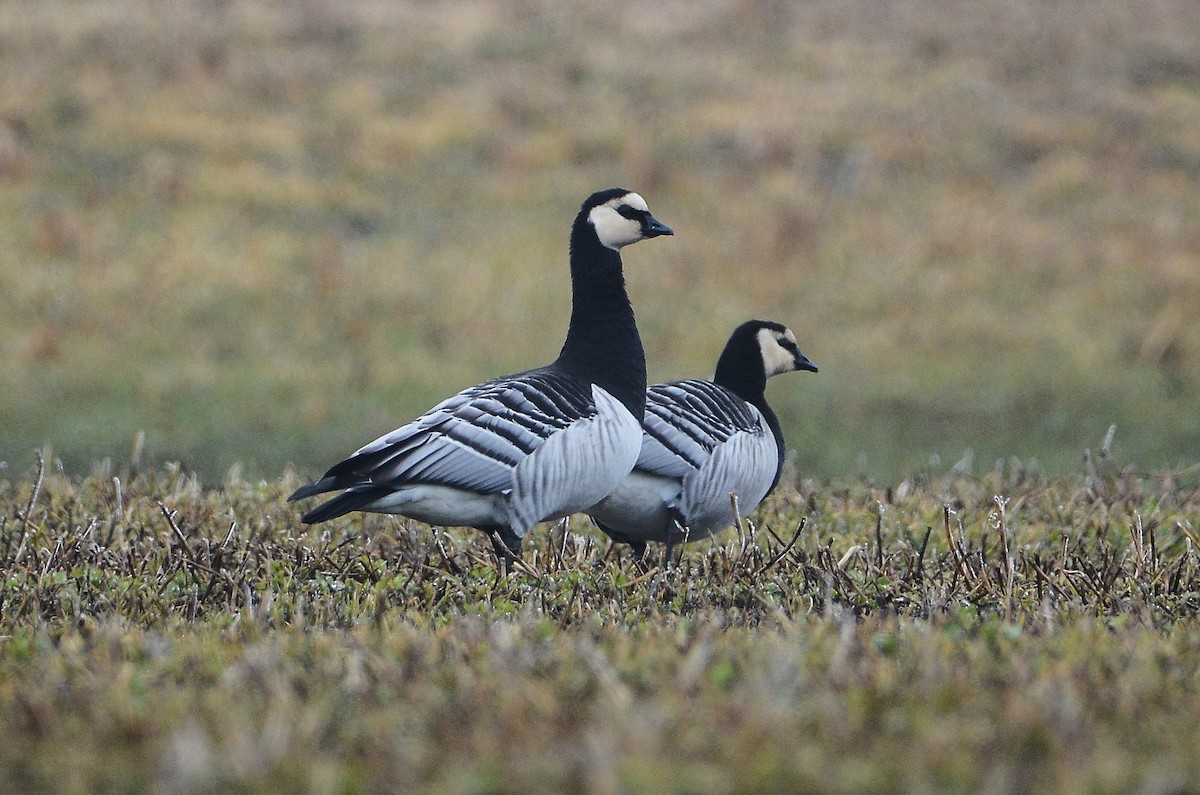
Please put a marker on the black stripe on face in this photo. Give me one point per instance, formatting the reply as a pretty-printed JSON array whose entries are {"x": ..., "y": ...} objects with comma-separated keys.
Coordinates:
[{"x": 651, "y": 227}]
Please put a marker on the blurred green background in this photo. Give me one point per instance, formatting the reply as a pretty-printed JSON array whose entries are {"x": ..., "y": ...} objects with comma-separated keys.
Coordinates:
[{"x": 266, "y": 232}]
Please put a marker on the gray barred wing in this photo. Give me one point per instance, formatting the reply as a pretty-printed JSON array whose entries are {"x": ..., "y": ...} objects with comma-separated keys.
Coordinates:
[
  {"x": 475, "y": 439},
  {"x": 686, "y": 420}
]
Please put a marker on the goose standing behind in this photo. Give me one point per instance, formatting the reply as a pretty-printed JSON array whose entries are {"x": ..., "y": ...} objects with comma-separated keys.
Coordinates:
[
  {"x": 531, "y": 447},
  {"x": 702, "y": 441}
]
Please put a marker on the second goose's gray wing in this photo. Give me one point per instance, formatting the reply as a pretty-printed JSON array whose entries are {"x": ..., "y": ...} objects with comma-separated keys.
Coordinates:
[
  {"x": 686, "y": 420},
  {"x": 714, "y": 444}
]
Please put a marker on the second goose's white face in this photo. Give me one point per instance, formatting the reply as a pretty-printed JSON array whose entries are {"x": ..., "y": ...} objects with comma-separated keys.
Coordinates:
[
  {"x": 779, "y": 351},
  {"x": 618, "y": 222}
]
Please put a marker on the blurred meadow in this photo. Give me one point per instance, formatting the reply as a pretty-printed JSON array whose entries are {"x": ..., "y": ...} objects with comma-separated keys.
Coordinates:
[{"x": 265, "y": 232}]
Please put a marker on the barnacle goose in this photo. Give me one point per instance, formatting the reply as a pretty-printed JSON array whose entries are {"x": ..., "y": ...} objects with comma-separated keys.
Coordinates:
[
  {"x": 530, "y": 447},
  {"x": 702, "y": 441}
]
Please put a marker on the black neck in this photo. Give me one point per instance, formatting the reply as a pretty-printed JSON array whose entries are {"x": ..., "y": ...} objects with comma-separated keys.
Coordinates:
[
  {"x": 603, "y": 345},
  {"x": 740, "y": 370}
]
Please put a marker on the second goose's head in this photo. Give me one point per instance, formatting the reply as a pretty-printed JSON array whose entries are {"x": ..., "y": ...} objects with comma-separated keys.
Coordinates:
[
  {"x": 777, "y": 344},
  {"x": 620, "y": 217},
  {"x": 757, "y": 350}
]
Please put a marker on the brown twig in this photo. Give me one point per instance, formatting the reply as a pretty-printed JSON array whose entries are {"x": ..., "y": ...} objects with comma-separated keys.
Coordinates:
[
  {"x": 960, "y": 562},
  {"x": 26, "y": 514},
  {"x": 187, "y": 550},
  {"x": 1139, "y": 546},
  {"x": 783, "y": 553},
  {"x": 1005, "y": 554},
  {"x": 881, "y": 508},
  {"x": 737, "y": 522}
]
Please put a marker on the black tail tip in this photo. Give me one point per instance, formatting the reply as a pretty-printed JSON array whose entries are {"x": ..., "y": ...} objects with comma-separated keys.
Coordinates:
[{"x": 308, "y": 490}]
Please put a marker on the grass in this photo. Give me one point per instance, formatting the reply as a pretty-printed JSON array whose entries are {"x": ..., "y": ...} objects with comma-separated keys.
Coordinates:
[
  {"x": 266, "y": 233},
  {"x": 243, "y": 235},
  {"x": 1012, "y": 632}
]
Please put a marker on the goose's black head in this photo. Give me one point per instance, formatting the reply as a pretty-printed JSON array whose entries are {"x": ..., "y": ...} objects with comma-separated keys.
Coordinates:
[
  {"x": 757, "y": 350},
  {"x": 620, "y": 217}
]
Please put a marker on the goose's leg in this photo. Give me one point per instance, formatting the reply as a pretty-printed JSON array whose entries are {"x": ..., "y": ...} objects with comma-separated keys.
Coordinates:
[
  {"x": 638, "y": 548},
  {"x": 677, "y": 532},
  {"x": 506, "y": 544}
]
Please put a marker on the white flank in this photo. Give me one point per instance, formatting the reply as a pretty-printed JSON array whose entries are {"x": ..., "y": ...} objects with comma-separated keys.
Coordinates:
[
  {"x": 440, "y": 505},
  {"x": 638, "y": 507}
]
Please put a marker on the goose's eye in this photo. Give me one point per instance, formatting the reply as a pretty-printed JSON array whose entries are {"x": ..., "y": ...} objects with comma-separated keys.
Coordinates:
[{"x": 626, "y": 211}]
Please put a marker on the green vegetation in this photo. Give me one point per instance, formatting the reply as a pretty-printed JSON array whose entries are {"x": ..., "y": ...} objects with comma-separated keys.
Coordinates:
[
  {"x": 263, "y": 233},
  {"x": 161, "y": 635},
  {"x": 266, "y": 232}
]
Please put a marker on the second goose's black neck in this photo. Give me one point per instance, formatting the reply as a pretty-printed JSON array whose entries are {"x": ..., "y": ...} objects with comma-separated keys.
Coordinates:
[
  {"x": 603, "y": 345},
  {"x": 740, "y": 370}
]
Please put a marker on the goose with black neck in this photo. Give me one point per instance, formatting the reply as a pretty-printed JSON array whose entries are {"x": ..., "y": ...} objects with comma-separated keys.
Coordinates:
[
  {"x": 702, "y": 442},
  {"x": 509, "y": 453}
]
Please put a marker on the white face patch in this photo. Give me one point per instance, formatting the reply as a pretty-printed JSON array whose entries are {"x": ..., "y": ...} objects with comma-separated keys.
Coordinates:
[
  {"x": 776, "y": 358},
  {"x": 614, "y": 229},
  {"x": 635, "y": 201}
]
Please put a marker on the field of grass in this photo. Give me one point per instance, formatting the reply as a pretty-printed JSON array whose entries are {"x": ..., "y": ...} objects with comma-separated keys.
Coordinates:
[
  {"x": 238, "y": 238},
  {"x": 264, "y": 233},
  {"x": 1009, "y": 633}
]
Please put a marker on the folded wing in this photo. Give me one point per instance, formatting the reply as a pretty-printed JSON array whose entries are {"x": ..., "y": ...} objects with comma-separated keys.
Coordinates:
[
  {"x": 686, "y": 420},
  {"x": 472, "y": 441}
]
